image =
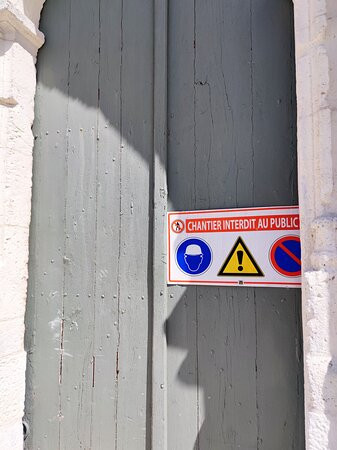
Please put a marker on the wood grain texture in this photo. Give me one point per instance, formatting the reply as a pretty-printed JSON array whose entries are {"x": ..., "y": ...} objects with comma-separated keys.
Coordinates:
[
  {"x": 78, "y": 326},
  {"x": 116, "y": 360},
  {"x": 158, "y": 310},
  {"x": 44, "y": 312},
  {"x": 105, "y": 391},
  {"x": 182, "y": 357},
  {"x": 135, "y": 246}
]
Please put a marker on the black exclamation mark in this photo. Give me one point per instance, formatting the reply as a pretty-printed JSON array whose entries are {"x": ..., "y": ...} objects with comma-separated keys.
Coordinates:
[{"x": 240, "y": 258}]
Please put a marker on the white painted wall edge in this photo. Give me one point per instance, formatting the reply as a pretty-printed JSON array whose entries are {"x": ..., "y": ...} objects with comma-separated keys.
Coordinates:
[
  {"x": 316, "y": 73},
  {"x": 19, "y": 42},
  {"x": 316, "y": 69}
]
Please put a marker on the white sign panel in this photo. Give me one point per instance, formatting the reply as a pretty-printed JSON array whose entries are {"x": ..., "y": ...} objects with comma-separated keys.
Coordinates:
[{"x": 235, "y": 247}]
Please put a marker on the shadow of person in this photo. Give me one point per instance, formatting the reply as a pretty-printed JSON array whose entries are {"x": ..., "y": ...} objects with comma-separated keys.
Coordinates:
[{"x": 241, "y": 369}]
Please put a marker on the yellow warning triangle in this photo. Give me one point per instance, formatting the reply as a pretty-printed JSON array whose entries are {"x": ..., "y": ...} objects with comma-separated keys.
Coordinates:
[{"x": 240, "y": 262}]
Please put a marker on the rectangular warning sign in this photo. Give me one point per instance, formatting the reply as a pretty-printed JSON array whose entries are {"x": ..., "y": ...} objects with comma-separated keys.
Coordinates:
[{"x": 243, "y": 247}]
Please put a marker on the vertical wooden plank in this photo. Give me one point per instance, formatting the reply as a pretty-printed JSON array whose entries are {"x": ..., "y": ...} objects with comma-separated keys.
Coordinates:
[
  {"x": 181, "y": 104},
  {"x": 224, "y": 178},
  {"x": 45, "y": 287},
  {"x": 182, "y": 399},
  {"x": 273, "y": 86},
  {"x": 136, "y": 150},
  {"x": 78, "y": 331},
  {"x": 106, "y": 337},
  {"x": 227, "y": 369},
  {"x": 279, "y": 377},
  {"x": 224, "y": 168},
  {"x": 158, "y": 413},
  {"x": 279, "y": 365},
  {"x": 181, "y": 324}
]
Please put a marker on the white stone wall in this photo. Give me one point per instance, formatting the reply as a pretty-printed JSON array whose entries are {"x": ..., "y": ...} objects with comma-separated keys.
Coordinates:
[
  {"x": 19, "y": 41},
  {"x": 316, "y": 70}
]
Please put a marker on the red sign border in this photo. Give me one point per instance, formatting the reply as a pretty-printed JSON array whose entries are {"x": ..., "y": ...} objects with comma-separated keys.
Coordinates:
[
  {"x": 226, "y": 282},
  {"x": 272, "y": 251}
]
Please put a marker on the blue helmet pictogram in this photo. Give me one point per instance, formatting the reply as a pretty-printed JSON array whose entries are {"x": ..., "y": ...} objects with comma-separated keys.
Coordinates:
[{"x": 194, "y": 256}]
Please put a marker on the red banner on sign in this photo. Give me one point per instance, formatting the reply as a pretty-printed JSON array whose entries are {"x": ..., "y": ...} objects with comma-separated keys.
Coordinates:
[{"x": 252, "y": 223}]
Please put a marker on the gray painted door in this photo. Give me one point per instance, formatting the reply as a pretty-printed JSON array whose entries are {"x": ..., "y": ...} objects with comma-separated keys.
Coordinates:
[{"x": 143, "y": 106}]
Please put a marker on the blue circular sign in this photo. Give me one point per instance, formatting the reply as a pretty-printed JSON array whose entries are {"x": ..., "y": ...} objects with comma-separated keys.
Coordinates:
[
  {"x": 194, "y": 256},
  {"x": 285, "y": 256}
]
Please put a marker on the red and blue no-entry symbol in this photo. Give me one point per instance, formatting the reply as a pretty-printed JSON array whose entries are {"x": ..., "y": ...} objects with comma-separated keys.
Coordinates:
[{"x": 285, "y": 256}]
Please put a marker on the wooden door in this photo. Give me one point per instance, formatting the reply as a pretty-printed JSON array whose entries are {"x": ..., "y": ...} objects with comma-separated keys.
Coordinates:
[{"x": 231, "y": 360}]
